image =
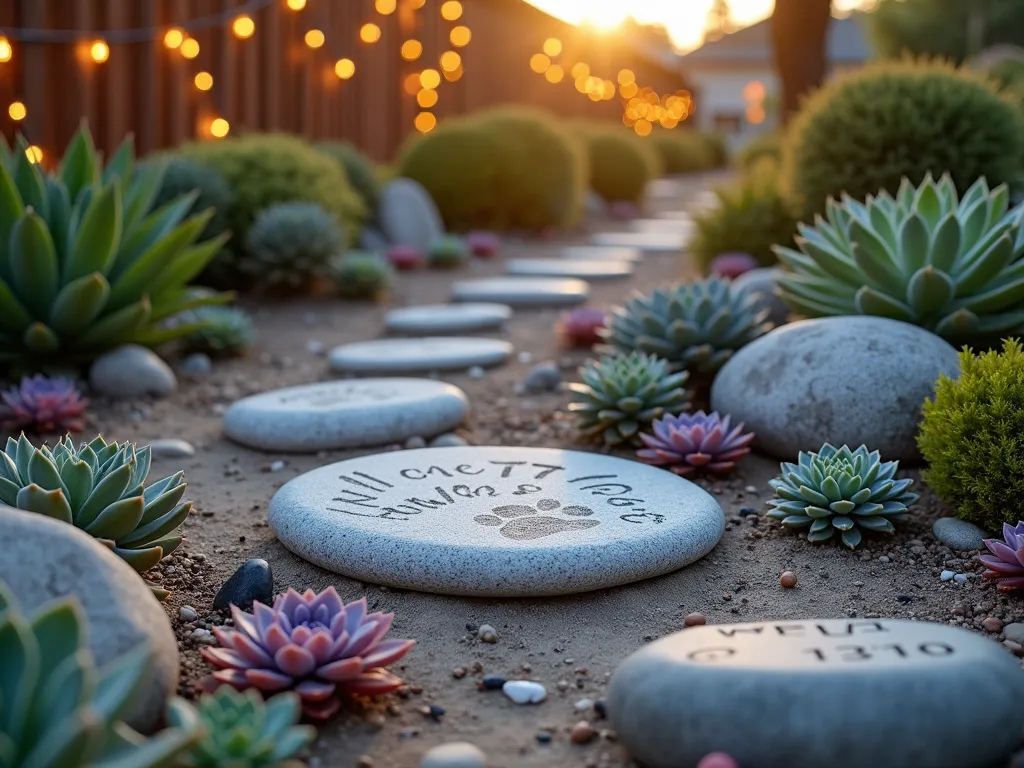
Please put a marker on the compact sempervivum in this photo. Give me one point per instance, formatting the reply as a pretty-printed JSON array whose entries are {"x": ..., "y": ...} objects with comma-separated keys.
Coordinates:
[
  {"x": 42, "y": 405},
  {"x": 405, "y": 258},
  {"x": 483, "y": 245},
  {"x": 695, "y": 441},
  {"x": 309, "y": 643},
  {"x": 1006, "y": 563},
  {"x": 579, "y": 327},
  {"x": 732, "y": 265}
]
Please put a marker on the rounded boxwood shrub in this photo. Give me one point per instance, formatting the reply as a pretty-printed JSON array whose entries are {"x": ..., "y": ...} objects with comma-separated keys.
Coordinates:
[
  {"x": 753, "y": 215},
  {"x": 290, "y": 247},
  {"x": 766, "y": 146},
  {"x": 508, "y": 168},
  {"x": 183, "y": 175},
  {"x": 620, "y": 168},
  {"x": 972, "y": 436},
  {"x": 681, "y": 151},
  {"x": 716, "y": 149},
  {"x": 263, "y": 169},
  {"x": 866, "y": 131},
  {"x": 360, "y": 170}
]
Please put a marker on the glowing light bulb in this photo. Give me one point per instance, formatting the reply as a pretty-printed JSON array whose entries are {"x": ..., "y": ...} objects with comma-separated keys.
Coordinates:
[
  {"x": 315, "y": 38},
  {"x": 412, "y": 84},
  {"x": 426, "y": 98},
  {"x": 412, "y": 50},
  {"x": 552, "y": 46},
  {"x": 626, "y": 77},
  {"x": 17, "y": 111},
  {"x": 99, "y": 51},
  {"x": 450, "y": 61},
  {"x": 554, "y": 74},
  {"x": 203, "y": 81},
  {"x": 345, "y": 68},
  {"x": 430, "y": 78},
  {"x": 425, "y": 122},
  {"x": 451, "y": 10},
  {"x": 539, "y": 63},
  {"x": 190, "y": 48},
  {"x": 173, "y": 38},
  {"x": 243, "y": 27},
  {"x": 219, "y": 128},
  {"x": 34, "y": 154},
  {"x": 296, "y": 5},
  {"x": 643, "y": 127},
  {"x": 369, "y": 33},
  {"x": 384, "y": 7},
  {"x": 5, "y": 50},
  {"x": 454, "y": 75},
  {"x": 460, "y": 36},
  {"x": 580, "y": 69}
]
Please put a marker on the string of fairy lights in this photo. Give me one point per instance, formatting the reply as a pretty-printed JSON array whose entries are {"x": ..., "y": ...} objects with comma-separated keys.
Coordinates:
[
  {"x": 643, "y": 107},
  {"x": 95, "y": 48}
]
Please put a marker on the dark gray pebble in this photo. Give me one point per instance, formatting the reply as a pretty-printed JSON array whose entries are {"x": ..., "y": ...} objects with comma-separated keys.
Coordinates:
[
  {"x": 436, "y": 712},
  {"x": 492, "y": 682},
  {"x": 744, "y": 511},
  {"x": 601, "y": 709},
  {"x": 544, "y": 737},
  {"x": 252, "y": 581}
]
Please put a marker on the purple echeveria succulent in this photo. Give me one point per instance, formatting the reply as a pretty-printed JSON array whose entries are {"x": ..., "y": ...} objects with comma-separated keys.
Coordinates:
[
  {"x": 732, "y": 265},
  {"x": 1006, "y": 563},
  {"x": 42, "y": 405},
  {"x": 483, "y": 245},
  {"x": 693, "y": 441},
  {"x": 579, "y": 327},
  {"x": 405, "y": 258},
  {"x": 309, "y": 643}
]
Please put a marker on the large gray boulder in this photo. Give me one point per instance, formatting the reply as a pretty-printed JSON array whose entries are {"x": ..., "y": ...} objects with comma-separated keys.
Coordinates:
[
  {"x": 42, "y": 559},
  {"x": 408, "y": 215}
]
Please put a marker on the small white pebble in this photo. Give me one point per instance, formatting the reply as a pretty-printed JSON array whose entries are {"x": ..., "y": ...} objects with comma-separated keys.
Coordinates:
[
  {"x": 525, "y": 357},
  {"x": 524, "y": 691},
  {"x": 583, "y": 705},
  {"x": 883, "y": 558},
  {"x": 457, "y": 754},
  {"x": 750, "y": 489},
  {"x": 487, "y": 634},
  {"x": 960, "y": 578},
  {"x": 315, "y": 347},
  {"x": 188, "y": 613},
  {"x": 203, "y": 637},
  {"x": 946, "y": 575},
  {"x": 276, "y": 466}
]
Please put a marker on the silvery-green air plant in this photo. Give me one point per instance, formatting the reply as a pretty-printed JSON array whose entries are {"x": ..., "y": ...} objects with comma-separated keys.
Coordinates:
[
  {"x": 621, "y": 395},
  {"x": 837, "y": 489},
  {"x": 290, "y": 246},
  {"x": 447, "y": 252},
  {"x": 57, "y": 710},
  {"x": 696, "y": 326},
  {"x": 953, "y": 266},
  {"x": 84, "y": 265},
  {"x": 100, "y": 488},
  {"x": 220, "y": 331},
  {"x": 362, "y": 275},
  {"x": 240, "y": 730}
]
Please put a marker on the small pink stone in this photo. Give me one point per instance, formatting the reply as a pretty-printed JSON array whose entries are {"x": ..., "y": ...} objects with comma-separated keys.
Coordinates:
[{"x": 718, "y": 760}]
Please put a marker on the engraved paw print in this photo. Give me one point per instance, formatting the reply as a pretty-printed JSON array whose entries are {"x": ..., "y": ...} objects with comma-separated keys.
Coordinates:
[{"x": 522, "y": 523}]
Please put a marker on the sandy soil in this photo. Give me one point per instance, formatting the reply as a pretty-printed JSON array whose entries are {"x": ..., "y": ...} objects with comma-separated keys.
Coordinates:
[{"x": 572, "y": 644}]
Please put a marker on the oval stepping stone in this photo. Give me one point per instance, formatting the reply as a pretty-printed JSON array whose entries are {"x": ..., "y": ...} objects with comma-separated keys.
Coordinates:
[
  {"x": 446, "y": 318},
  {"x": 410, "y": 355},
  {"x": 663, "y": 226},
  {"x": 523, "y": 291},
  {"x": 679, "y": 698},
  {"x": 591, "y": 270},
  {"x": 654, "y": 242},
  {"x": 496, "y": 521},
  {"x": 601, "y": 253},
  {"x": 345, "y": 414}
]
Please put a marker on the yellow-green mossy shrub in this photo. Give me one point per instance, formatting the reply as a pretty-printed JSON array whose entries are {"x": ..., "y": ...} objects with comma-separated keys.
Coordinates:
[
  {"x": 867, "y": 130},
  {"x": 766, "y": 146},
  {"x": 972, "y": 436},
  {"x": 753, "y": 215},
  {"x": 264, "y": 169},
  {"x": 620, "y": 167},
  {"x": 681, "y": 150},
  {"x": 504, "y": 169},
  {"x": 716, "y": 148}
]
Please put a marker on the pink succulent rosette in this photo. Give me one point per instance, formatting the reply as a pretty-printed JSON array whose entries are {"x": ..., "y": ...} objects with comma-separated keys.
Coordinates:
[
  {"x": 732, "y": 265},
  {"x": 1006, "y": 563},
  {"x": 579, "y": 327},
  {"x": 405, "y": 258},
  {"x": 43, "y": 405},
  {"x": 483, "y": 245},
  {"x": 695, "y": 441},
  {"x": 312, "y": 644}
]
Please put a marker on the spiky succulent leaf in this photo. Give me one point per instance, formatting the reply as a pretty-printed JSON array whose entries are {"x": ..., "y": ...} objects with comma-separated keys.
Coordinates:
[
  {"x": 696, "y": 326},
  {"x": 620, "y": 395},
  {"x": 98, "y": 487},
  {"x": 953, "y": 266},
  {"x": 838, "y": 489}
]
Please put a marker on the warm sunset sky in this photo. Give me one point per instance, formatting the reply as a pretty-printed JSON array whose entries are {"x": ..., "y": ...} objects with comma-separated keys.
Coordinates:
[{"x": 684, "y": 18}]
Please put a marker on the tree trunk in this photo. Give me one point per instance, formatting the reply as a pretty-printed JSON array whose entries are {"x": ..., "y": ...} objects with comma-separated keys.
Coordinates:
[{"x": 799, "y": 38}]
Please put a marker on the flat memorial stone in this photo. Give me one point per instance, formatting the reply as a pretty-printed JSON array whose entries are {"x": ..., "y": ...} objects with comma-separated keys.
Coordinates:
[
  {"x": 589, "y": 270},
  {"x": 807, "y": 694},
  {"x": 424, "y": 354},
  {"x": 446, "y": 318},
  {"x": 601, "y": 253},
  {"x": 496, "y": 521},
  {"x": 523, "y": 291},
  {"x": 345, "y": 414},
  {"x": 653, "y": 242}
]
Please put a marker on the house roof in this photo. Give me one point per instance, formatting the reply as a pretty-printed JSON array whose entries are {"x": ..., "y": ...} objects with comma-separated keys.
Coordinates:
[{"x": 847, "y": 43}]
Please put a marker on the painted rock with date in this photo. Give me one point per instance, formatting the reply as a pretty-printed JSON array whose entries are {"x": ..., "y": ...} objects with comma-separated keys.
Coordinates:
[
  {"x": 496, "y": 521},
  {"x": 806, "y": 694}
]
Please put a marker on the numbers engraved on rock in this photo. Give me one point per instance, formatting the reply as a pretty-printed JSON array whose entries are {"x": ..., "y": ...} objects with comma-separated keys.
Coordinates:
[{"x": 888, "y": 652}]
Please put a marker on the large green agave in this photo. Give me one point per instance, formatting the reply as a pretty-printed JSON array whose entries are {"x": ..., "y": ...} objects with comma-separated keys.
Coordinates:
[
  {"x": 925, "y": 257},
  {"x": 837, "y": 489},
  {"x": 98, "y": 487},
  {"x": 696, "y": 326},
  {"x": 621, "y": 395},
  {"x": 84, "y": 265},
  {"x": 58, "y": 711},
  {"x": 241, "y": 731}
]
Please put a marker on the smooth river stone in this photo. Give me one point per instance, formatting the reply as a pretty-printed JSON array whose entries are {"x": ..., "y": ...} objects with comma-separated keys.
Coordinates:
[
  {"x": 588, "y": 270},
  {"x": 601, "y": 253},
  {"x": 446, "y": 318},
  {"x": 654, "y": 242},
  {"x": 523, "y": 291},
  {"x": 496, "y": 521},
  {"x": 412, "y": 355},
  {"x": 345, "y": 414},
  {"x": 808, "y": 694}
]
